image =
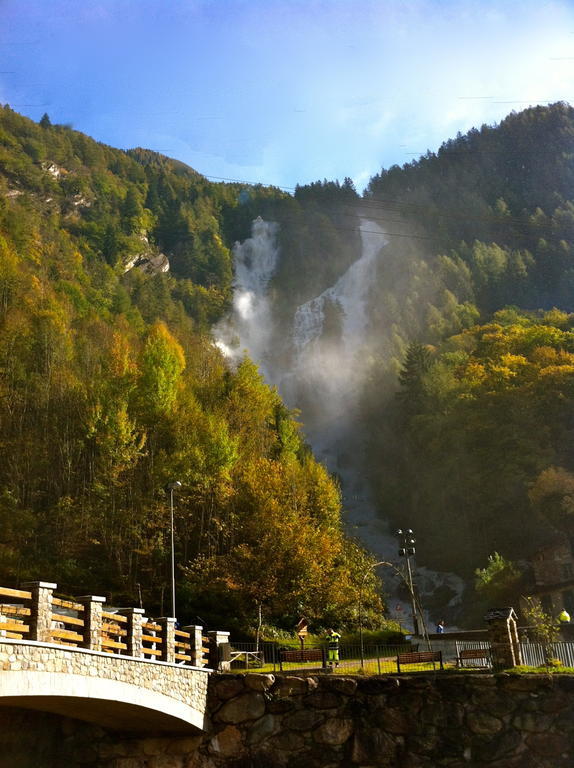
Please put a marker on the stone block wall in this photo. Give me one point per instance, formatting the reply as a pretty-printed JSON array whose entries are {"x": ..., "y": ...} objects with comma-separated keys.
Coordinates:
[
  {"x": 476, "y": 720},
  {"x": 259, "y": 721}
]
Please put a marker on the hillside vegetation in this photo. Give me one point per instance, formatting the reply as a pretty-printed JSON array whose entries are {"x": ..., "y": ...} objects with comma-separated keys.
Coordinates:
[
  {"x": 483, "y": 406},
  {"x": 110, "y": 387}
]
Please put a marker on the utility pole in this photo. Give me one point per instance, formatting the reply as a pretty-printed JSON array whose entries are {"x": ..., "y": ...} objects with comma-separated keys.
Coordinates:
[
  {"x": 407, "y": 550},
  {"x": 170, "y": 488}
]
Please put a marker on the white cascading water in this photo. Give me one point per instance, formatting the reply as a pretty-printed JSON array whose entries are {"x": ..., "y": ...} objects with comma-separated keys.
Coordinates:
[
  {"x": 326, "y": 374},
  {"x": 249, "y": 328}
]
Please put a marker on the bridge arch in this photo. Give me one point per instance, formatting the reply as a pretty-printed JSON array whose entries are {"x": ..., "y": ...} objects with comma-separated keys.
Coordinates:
[{"x": 112, "y": 691}]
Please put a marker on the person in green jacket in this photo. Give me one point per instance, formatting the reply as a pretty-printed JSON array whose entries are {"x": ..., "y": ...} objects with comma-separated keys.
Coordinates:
[{"x": 333, "y": 647}]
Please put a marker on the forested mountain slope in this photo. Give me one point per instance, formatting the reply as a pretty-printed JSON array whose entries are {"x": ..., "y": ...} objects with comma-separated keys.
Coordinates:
[
  {"x": 110, "y": 387},
  {"x": 482, "y": 414}
]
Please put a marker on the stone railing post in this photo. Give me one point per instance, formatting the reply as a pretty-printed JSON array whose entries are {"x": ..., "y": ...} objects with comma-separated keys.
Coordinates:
[
  {"x": 167, "y": 638},
  {"x": 196, "y": 642},
  {"x": 503, "y": 638},
  {"x": 219, "y": 657},
  {"x": 41, "y": 610},
  {"x": 135, "y": 631},
  {"x": 93, "y": 607}
]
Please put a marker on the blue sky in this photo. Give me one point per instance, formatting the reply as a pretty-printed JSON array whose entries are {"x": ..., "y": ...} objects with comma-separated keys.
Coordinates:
[{"x": 283, "y": 91}]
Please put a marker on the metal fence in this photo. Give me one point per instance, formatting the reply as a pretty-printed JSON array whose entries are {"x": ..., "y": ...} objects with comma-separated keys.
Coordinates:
[
  {"x": 540, "y": 655},
  {"x": 382, "y": 659},
  {"x": 274, "y": 656},
  {"x": 533, "y": 654}
]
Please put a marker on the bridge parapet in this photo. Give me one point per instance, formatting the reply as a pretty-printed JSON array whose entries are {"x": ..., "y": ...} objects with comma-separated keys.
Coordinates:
[
  {"x": 36, "y": 613},
  {"x": 109, "y": 689}
]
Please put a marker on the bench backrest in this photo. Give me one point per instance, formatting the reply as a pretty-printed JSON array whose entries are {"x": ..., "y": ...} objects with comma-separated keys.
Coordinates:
[
  {"x": 308, "y": 654},
  {"x": 475, "y": 653},
  {"x": 420, "y": 657}
]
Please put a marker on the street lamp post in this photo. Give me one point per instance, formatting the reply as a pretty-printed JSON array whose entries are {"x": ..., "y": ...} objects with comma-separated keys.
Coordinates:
[
  {"x": 407, "y": 550},
  {"x": 361, "y": 587},
  {"x": 170, "y": 488}
]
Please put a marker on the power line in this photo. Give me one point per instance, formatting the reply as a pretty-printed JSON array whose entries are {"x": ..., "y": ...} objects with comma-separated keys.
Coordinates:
[{"x": 400, "y": 206}]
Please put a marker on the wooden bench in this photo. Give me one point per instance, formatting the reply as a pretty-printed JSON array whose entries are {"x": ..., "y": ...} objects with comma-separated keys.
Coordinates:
[
  {"x": 302, "y": 656},
  {"x": 474, "y": 654},
  {"x": 419, "y": 657}
]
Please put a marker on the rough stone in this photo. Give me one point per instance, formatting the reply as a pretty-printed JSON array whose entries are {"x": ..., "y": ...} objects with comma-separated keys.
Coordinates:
[
  {"x": 345, "y": 685},
  {"x": 280, "y": 706},
  {"x": 258, "y": 682},
  {"x": 375, "y": 686},
  {"x": 227, "y": 742},
  {"x": 532, "y": 722},
  {"x": 549, "y": 745},
  {"x": 395, "y": 720},
  {"x": 261, "y": 729},
  {"x": 303, "y": 720},
  {"x": 483, "y": 723},
  {"x": 248, "y": 706},
  {"x": 370, "y": 745},
  {"x": 291, "y": 686},
  {"x": 226, "y": 687},
  {"x": 290, "y": 741},
  {"x": 323, "y": 700},
  {"x": 333, "y": 732}
]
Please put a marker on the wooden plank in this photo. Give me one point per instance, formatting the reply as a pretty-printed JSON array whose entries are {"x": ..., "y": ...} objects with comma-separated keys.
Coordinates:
[
  {"x": 67, "y": 619},
  {"x": 115, "y": 617},
  {"x": 113, "y": 644},
  {"x": 151, "y": 651},
  {"x": 182, "y": 657},
  {"x": 14, "y": 610},
  {"x": 67, "y": 604},
  {"x": 114, "y": 630},
  {"x": 187, "y": 646},
  {"x": 14, "y": 635},
  {"x": 14, "y": 626},
  {"x": 6, "y": 592},
  {"x": 66, "y": 634},
  {"x": 152, "y": 639},
  {"x": 181, "y": 633},
  {"x": 151, "y": 626}
]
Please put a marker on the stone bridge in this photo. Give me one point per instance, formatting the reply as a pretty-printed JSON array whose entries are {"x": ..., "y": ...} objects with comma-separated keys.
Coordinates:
[{"x": 115, "y": 668}]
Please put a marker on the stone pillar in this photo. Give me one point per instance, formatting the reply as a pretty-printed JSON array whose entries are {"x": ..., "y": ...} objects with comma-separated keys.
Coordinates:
[
  {"x": 135, "y": 631},
  {"x": 219, "y": 647},
  {"x": 93, "y": 607},
  {"x": 196, "y": 642},
  {"x": 40, "y": 610},
  {"x": 167, "y": 638},
  {"x": 503, "y": 637}
]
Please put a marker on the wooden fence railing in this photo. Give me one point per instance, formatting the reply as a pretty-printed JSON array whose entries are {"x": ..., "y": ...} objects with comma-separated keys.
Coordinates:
[
  {"x": 38, "y": 614},
  {"x": 15, "y": 615}
]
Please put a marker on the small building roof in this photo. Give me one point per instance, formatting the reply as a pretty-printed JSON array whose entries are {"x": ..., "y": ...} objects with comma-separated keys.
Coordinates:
[{"x": 500, "y": 613}]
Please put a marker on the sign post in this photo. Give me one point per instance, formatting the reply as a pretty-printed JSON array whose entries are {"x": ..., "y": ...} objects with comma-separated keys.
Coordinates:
[{"x": 302, "y": 630}]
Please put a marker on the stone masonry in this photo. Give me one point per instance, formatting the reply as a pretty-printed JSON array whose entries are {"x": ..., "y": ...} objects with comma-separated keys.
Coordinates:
[
  {"x": 471, "y": 720},
  {"x": 181, "y": 683}
]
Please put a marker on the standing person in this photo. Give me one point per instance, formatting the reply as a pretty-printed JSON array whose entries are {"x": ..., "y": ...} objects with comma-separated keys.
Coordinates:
[
  {"x": 440, "y": 627},
  {"x": 333, "y": 647}
]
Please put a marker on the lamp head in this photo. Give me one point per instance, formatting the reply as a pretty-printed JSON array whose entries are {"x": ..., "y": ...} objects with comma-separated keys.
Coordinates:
[{"x": 173, "y": 486}]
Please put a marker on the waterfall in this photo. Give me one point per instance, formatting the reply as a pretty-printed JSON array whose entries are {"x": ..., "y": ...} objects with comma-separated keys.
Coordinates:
[
  {"x": 326, "y": 370},
  {"x": 249, "y": 328}
]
